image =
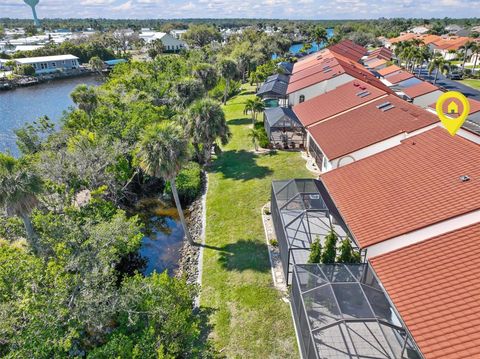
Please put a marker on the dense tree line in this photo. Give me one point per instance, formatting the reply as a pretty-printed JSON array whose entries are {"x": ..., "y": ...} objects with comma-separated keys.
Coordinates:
[{"x": 70, "y": 279}]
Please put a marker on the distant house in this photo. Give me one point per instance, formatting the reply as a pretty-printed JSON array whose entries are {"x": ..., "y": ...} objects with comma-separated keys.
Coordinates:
[
  {"x": 447, "y": 46},
  {"x": 390, "y": 70},
  {"x": 170, "y": 43},
  {"x": 422, "y": 94},
  {"x": 419, "y": 30},
  {"x": 49, "y": 64},
  {"x": 178, "y": 34},
  {"x": 110, "y": 64}
]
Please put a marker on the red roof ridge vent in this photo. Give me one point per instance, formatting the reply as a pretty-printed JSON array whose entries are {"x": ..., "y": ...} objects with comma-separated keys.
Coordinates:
[
  {"x": 356, "y": 84},
  {"x": 363, "y": 87}
]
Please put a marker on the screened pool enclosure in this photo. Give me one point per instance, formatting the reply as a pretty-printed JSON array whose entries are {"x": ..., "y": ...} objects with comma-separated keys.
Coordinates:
[
  {"x": 341, "y": 311},
  {"x": 301, "y": 212}
]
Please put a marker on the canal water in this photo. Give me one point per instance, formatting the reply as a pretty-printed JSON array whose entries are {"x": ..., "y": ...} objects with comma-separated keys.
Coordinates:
[
  {"x": 295, "y": 48},
  {"x": 163, "y": 231},
  {"x": 26, "y": 104}
]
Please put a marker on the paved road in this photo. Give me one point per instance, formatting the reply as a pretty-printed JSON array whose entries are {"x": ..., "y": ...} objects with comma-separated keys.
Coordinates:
[{"x": 450, "y": 85}]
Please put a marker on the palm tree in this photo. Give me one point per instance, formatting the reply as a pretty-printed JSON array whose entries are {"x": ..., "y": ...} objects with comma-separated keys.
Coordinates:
[
  {"x": 228, "y": 70},
  {"x": 163, "y": 150},
  {"x": 85, "y": 97},
  {"x": 465, "y": 49},
  {"x": 475, "y": 51},
  {"x": 255, "y": 135},
  {"x": 440, "y": 64},
  {"x": 320, "y": 35},
  {"x": 206, "y": 123},
  {"x": 19, "y": 188},
  {"x": 254, "y": 106},
  {"x": 96, "y": 64}
]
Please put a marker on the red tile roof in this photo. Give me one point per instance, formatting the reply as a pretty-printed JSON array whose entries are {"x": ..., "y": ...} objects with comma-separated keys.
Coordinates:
[
  {"x": 451, "y": 43},
  {"x": 349, "y": 49},
  {"x": 399, "y": 77},
  {"x": 405, "y": 37},
  {"x": 420, "y": 89},
  {"x": 381, "y": 53},
  {"x": 407, "y": 187},
  {"x": 474, "y": 106},
  {"x": 434, "y": 286},
  {"x": 336, "y": 101},
  {"x": 314, "y": 71},
  {"x": 367, "y": 125},
  {"x": 375, "y": 63},
  {"x": 389, "y": 69}
]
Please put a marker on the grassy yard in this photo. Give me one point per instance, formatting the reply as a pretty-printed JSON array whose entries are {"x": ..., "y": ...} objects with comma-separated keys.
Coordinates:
[
  {"x": 472, "y": 83},
  {"x": 248, "y": 317}
]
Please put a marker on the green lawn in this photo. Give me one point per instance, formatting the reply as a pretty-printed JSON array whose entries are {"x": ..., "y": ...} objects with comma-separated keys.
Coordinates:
[
  {"x": 248, "y": 317},
  {"x": 472, "y": 83}
]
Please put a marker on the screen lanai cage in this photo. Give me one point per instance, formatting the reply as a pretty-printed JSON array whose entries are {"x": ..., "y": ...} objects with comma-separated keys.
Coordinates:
[
  {"x": 341, "y": 311},
  {"x": 284, "y": 129},
  {"x": 301, "y": 212}
]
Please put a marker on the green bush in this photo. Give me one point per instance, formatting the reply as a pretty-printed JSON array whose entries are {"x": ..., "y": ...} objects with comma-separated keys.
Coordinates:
[
  {"x": 330, "y": 252},
  {"x": 25, "y": 70},
  {"x": 273, "y": 242},
  {"x": 263, "y": 141},
  {"x": 315, "y": 251},
  {"x": 189, "y": 183}
]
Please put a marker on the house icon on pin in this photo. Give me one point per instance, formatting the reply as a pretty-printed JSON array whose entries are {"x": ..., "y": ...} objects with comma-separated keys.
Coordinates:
[{"x": 452, "y": 108}]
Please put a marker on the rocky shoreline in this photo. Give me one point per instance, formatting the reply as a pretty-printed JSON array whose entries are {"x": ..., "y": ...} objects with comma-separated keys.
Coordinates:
[{"x": 189, "y": 255}]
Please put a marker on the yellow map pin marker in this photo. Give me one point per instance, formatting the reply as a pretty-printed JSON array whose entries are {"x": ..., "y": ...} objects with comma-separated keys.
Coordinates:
[{"x": 453, "y": 124}]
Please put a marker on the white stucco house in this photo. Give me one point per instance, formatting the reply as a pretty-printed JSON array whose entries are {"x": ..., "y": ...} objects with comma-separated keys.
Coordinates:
[
  {"x": 49, "y": 64},
  {"x": 169, "y": 42},
  {"x": 356, "y": 134},
  {"x": 322, "y": 72}
]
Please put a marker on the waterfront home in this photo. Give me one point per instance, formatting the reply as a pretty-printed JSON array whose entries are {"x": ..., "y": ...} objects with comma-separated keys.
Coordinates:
[
  {"x": 324, "y": 71},
  {"x": 410, "y": 192},
  {"x": 366, "y": 130},
  {"x": 170, "y": 43},
  {"x": 49, "y": 64}
]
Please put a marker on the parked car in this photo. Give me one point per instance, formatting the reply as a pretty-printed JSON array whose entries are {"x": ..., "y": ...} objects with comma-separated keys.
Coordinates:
[{"x": 455, "y": 76}]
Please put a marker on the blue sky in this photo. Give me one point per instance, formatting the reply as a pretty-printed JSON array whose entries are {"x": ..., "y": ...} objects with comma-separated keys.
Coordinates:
[{"x": 285, "y": 9}]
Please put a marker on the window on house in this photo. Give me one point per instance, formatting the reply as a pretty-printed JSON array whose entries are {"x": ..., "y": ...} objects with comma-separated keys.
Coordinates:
[{"x": 301, "y": 99}]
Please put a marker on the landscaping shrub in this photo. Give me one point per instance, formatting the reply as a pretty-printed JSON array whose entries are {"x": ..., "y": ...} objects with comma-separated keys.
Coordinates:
[
  {"x": 263, "y": 141},
  {"x": 266, "y": 211},
  {"x": 315, "y": 251},
  {"x": 330, "y": 252},
  {"x": 347, "y": 254},
  {"x": 189, "y": 183},
  {"x": 273, "y": 242}
]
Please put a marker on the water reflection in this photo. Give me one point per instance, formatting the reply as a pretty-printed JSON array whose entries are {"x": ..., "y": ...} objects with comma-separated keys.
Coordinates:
[{"x": 163, "y": 236}]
